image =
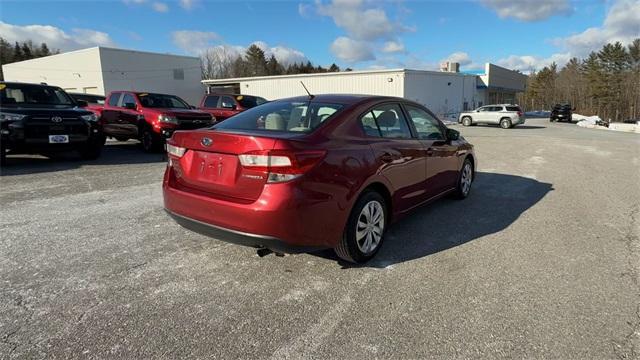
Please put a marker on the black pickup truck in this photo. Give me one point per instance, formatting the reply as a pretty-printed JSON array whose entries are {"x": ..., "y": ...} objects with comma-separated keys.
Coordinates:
[
  {"x": 42, "y": 119},
  {"x": 561, "y": 112}
]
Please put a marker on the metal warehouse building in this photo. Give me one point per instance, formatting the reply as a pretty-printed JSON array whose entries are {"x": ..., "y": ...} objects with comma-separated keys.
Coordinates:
[
  {"x": 446, "y": 93},
  {"x": 99, "y": 70}
]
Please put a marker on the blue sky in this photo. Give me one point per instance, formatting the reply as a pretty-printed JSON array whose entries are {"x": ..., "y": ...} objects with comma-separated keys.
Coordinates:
[{"x": 522, "y": 34}]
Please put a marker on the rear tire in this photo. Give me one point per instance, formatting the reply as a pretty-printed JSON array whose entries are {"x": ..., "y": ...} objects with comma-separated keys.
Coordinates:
[
  {"x": 3, "y": 155},
  {"x": 122, "y": 138},
  {"x": 364, "y": 233},
  {"x": 505, "y": 123},
  {"x": 466, "y": 121},
  {"x": 465, "y": 179}
]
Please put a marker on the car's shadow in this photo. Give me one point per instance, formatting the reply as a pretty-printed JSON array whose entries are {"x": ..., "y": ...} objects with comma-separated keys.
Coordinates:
[
  {"x": 496, "y": 201},
  {"x": 113, "y": 153}
]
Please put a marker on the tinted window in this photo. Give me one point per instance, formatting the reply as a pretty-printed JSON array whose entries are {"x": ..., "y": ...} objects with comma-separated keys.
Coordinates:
[
  {"x": 248, "y": 102},
  {"x": 513, "y": 108},
  {"x": 33, "y": 95},
  {"x": 211, "y": 101},
  {"x": 427, "y": 126},
  {"x": 113, "y": 99},
  {"x": 496, "y": 108},
  {"x": 162, "y": 101},
  {"x": 227, "y": 102},
  {"x": 91, "y": 99},
  {"x": 484, "y": 108},
  {"x": 128, "y": 99},
  {"x": 284, "y": 116},
  {"x": 386, "y": 121}
]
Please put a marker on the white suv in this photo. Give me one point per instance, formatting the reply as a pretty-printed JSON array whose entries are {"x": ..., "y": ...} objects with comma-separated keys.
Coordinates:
[{"x": 505, "y": 115}]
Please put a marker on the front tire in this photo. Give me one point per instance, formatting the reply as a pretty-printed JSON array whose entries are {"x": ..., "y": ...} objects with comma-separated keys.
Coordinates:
[
  {"x": 465, "y": 179},
  {"x": 3, "y": 155},
  {"x": 365, "y": 228},
  {"x": 149, "y": 140},
  {"x": 505, "y": 123},
  {"x": 466, "y": 121},
  {"x": 92, "y": 149}
]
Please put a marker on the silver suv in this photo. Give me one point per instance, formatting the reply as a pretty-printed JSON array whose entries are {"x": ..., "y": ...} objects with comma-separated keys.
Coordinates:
[{"x": 505, "y": 115}]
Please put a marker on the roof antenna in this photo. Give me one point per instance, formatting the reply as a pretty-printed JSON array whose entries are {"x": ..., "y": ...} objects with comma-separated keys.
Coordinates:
[{"x": 307, "y": 90}]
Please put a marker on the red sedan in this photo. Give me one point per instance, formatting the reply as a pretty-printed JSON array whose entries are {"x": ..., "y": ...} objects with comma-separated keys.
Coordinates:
[{"x": 307, "y": 173}]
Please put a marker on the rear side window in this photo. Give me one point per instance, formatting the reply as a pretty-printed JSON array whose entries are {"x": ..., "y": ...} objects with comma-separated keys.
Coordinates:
[
  {"x": 496, "y": 108},
  {"x": 211, "y": 101},
  {"x": 128, "y": 99},
  {"x": 248, "y": 102},
  {"x": 227, "y": 102},
  {"x": 513, "y": 108},
  {"x": 282, "y": 116},
  {"x": 386, "y": 121},
  {"x": 113, "y": 99}
]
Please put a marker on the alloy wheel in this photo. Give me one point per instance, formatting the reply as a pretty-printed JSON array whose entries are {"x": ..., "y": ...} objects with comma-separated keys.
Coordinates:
[
  {"x": 370, "y": 227},
  {"x": 466, "y": 178}
]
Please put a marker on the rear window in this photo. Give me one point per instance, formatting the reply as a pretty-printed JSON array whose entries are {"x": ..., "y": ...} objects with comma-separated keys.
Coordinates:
[
  {"x": 248, "y": 102},
  {"x": 513, "y": 108},
  {"x": 282, "y": 116}
]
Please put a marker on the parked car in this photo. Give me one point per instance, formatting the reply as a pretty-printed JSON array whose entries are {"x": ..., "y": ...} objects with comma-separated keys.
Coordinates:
[
  {"x": 306, "y": 173},
  {"x": 505, "y": 115},
  {"x": 43, "y": 119},
  {"x": 91, "y": 102},
  {"x": 223, "y": 106},
  {"x": 149, "y": 117},
  {"x": 561, "y": 112}
]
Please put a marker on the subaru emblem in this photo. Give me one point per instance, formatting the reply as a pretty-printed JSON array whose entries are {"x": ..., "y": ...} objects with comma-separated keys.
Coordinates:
[
  {"x": 56, "y": 119},
  {"x": 206, "y": 141}
]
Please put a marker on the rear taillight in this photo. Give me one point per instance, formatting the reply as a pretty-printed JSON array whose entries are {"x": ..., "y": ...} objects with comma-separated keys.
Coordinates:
[
  {"x": 281, "y": 165},
  {"x": 520, "y": 113},
  {"x": 176, "y": 151}
]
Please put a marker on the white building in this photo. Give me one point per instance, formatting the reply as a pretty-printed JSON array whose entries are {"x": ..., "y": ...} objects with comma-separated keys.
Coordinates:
[
  {"x": 446, "y": 93},
  {"x": 99, "y": 70}
]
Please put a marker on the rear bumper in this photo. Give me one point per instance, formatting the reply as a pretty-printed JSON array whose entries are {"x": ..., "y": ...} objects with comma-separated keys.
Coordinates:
[{"x": 239, "y": 237}]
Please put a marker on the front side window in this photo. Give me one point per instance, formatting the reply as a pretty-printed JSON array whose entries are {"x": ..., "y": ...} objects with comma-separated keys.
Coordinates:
[
  {"x": 283, "y": 116},
  {"x": 427, "y": 126},
  {"x": 386, "y": 121}
]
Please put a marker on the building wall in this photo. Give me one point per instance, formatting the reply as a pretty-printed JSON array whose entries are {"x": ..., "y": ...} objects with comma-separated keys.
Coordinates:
[
  {"x": 443, "y": 93},
  {"x": 389, "y": 83},
  {"x": 142, "y": 71},
  {"x": 76, "y": 71}
]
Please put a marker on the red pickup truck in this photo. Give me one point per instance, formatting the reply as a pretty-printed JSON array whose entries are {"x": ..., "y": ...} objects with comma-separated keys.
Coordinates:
[
  {"x": 149, "y": 117},
  {"x": 223, "y": 106}
]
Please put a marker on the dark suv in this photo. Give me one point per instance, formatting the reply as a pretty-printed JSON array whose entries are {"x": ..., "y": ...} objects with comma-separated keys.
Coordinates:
[
  {"x": 561, "y": 112},
  {"x": 37, "y": 118}
]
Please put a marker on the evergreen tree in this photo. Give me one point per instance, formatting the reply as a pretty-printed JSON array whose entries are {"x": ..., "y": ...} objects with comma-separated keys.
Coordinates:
[
  {"x": 334, "y": 68},
  {"x": 256, "y": 62},
  {"x": 17, "y": 53},
  {"x": 43, "y": 50}
]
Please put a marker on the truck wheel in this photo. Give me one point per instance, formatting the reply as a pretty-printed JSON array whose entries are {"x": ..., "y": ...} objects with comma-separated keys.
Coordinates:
[
  {"x": 466, "y": 121},
  {"x": 92, "y": 149},
  {"x": 122, "y": 138},
  {"x": 149, "y": 140},
  {"x": 505, "y": 123},
  {"x": 3, "y": 155},
  {"x": 365, "y": 228}
]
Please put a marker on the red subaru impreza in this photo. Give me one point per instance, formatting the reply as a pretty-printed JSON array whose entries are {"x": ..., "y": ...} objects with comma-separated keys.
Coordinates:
[{"x": 307, "y": 173}]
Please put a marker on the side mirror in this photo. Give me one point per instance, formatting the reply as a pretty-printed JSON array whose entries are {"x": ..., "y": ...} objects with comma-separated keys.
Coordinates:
[
  {"x": 453, "y": 135},
  {"x": 82, "y": 103},
  {"x": 130, "y": 106}
]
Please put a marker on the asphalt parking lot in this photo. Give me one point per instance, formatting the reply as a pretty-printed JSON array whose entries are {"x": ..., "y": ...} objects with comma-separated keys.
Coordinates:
[{"x": 541, "y": 261}]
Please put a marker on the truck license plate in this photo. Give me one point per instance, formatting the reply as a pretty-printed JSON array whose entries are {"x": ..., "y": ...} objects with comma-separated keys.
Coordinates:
[{"x": 58, "y": 139}]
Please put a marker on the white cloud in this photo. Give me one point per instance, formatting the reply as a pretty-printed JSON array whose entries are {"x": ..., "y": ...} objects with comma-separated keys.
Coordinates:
[
  {"x": 194, "y": 41},
  {"x": 393, "y": 47},
  {"x": 622, "y": 23},
  {"x": 529, "y": 10},
  {"x": 460, "y": 57},
  {"x": 160, "y": 7},
  {"x": 55, "y": 38},
  {"x": 350, "y": 50},
  {"x": 187, "y": 4}
]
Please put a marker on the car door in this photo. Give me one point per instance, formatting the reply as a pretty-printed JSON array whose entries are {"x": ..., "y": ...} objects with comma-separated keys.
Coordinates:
[
  {"x": 129, "y": 115},
  {"x": 211, "y": 105},
  {"x": 400, "y": 157},
  {"x": 110, "y": 114},
  {"x": 495, "y": 115},
  {"x": 482, "y": 115},
  {"x": 228, "y": 106},
  {"x": 442, "y": 155}
]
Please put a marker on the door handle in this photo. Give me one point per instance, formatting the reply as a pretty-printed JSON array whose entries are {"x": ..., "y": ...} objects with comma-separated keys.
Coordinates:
[{"x": 387, "y": 158}]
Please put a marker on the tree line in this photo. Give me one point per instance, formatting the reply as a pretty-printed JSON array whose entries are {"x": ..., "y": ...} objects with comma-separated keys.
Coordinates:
[
  {"x": 606, "y": 83},
  {"x": 21, "y": 51},
  {"x": 219, "y": 63}
]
